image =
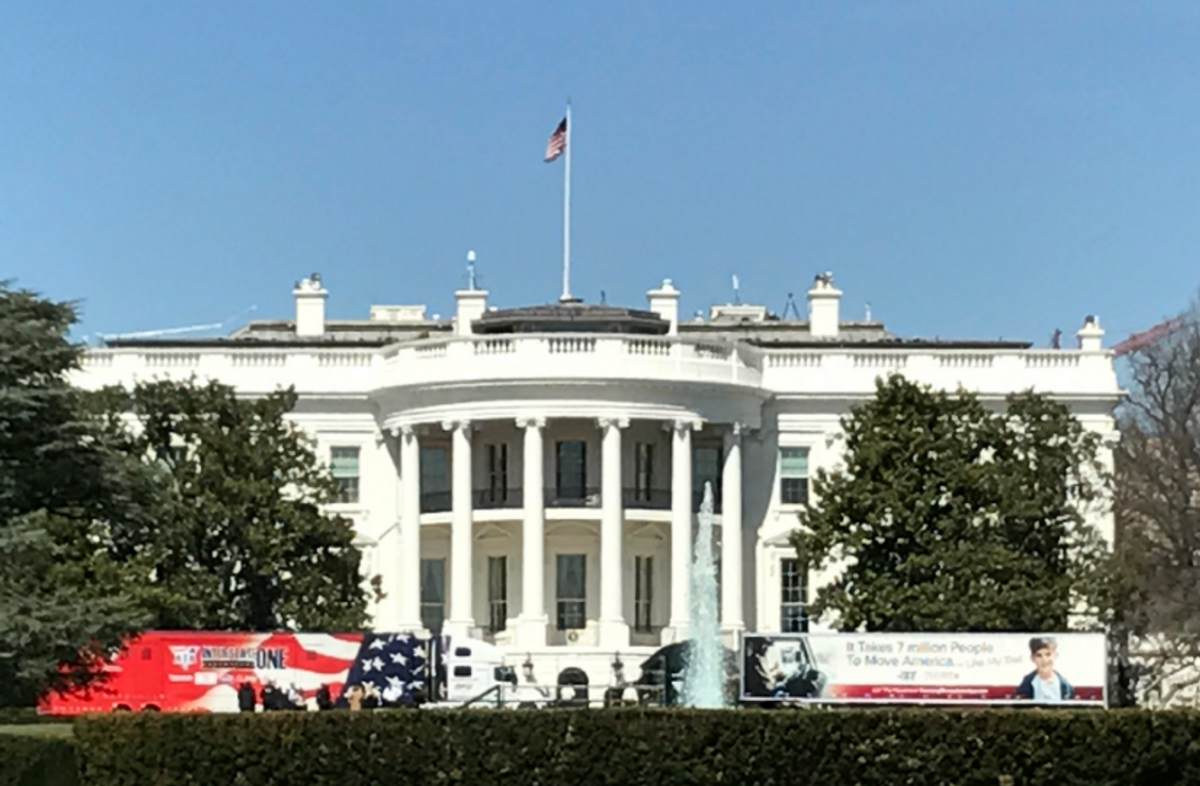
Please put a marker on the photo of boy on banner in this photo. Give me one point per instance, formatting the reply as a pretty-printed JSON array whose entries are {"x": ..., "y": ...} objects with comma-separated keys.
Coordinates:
[{"x": 1044, "y": 683}]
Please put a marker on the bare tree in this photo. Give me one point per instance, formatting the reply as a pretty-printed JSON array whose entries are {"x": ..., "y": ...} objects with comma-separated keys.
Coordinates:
[{"x": 1158, "y": 513}]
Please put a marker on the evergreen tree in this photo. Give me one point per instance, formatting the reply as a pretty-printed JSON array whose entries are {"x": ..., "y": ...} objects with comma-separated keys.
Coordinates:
[
  {"x": 951, "y": 517},
  {"x": 62, "y": 489},
  {"x": 241, "y": 541}
]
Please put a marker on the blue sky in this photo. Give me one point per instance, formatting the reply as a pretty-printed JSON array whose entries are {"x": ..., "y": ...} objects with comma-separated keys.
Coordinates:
[{"x": 970, "y": 169}]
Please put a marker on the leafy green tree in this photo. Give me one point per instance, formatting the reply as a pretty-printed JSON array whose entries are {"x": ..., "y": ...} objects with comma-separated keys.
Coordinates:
[
  {"x": 63, "y": 488},
  {"x": 241, "y": 540},
  {"x": 948, "y": 516}
]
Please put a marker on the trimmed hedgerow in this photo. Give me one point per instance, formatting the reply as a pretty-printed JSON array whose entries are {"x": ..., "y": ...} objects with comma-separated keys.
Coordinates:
[
  {"x": 37, "y": 760},
  {"x": 635, "y": 747}
]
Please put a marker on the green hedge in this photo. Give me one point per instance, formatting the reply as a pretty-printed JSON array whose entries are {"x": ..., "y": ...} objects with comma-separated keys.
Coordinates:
[
  {"x": 635, "y": 747},
  {"x": 37, "y": 760}
]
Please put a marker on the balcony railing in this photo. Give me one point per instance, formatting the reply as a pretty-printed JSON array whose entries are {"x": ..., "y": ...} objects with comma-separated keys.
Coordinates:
[
  {"x": 647, "y": 499},
  {"x": 497, "y": 499},
  {"x": 573, "y": 497},
  {"x": 565, "y": 497},
  {"x": 435, "y": 501}
]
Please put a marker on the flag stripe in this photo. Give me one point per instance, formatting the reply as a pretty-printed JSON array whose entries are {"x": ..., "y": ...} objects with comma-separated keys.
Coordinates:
[{"x": 557, "y": 142}]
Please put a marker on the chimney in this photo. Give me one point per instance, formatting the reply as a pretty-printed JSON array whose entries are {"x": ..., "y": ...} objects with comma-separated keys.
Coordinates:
[
  {"x": 471, "y": 303},
  {"x": 1090, "y": 334},
  {"x": 664, "y": 301},
  {"x": 823, "y": 306},
  {"x": 310, "y": 306}
]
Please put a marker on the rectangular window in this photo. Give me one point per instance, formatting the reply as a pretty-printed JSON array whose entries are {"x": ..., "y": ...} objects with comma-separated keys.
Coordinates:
[
  {"x": 497, "y": 594},
  {"x": 793, "y": 475},
  {"x": 344, "y": 462},
  {"x": 571, "y": 583},
  {"x": 497, "y": 473},
  {"x": 793, "y": 588},
  {"x": 435, "y": 479},
  {"x": 643, "y": 593},
  {"x": 433, "y": 594},
  {"x": 643, "y": 471},
  {"x": 571, "y": 470},
  {"x": 706, "y": 468}
]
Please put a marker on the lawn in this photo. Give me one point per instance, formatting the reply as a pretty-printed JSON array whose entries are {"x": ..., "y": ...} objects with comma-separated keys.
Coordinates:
[{"x": 39, "y": 729}]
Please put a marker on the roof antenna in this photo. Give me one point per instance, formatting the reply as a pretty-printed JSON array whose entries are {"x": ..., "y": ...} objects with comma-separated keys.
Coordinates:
[
  {"x": 737, "y": 301},
  {"x": 603, "y": 297},
  {"x": 470, "y": 270},
  {"x": 791, "y": 305},
  {"x": 868, "y": 311}
]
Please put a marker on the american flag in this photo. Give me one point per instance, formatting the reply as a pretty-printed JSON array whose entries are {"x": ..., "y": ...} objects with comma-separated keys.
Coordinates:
[
  {"x": 557, "y": 142},
  {"x": 394, "y": 663}
]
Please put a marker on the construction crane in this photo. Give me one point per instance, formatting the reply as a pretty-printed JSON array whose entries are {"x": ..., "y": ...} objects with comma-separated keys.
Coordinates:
[
  {"x": 1147, "y": 337},
  {"x": 106, "y": 337}
]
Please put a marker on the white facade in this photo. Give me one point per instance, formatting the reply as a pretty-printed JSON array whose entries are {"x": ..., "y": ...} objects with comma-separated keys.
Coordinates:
[{"x": 538, "y": 470}]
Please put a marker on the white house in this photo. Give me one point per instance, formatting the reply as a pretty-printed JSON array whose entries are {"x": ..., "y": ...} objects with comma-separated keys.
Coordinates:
[{"x": 532, "y": 475}]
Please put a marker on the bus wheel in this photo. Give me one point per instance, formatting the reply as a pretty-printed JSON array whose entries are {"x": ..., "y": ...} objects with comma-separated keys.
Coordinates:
[
  {"x": 150, "y": 708},
  {"x": 121, "y": 708},
  {"x": 527, "y": 705}
]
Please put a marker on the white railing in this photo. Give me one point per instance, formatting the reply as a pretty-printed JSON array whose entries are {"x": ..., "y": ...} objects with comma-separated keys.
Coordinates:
[
  {"x": 541, "y": 356},
  {"x": 345, "y": 359},
  {"x": 609, "y": 356},
  {"x": 258, "y": 360},
  {"x": 988, "y": 370}
]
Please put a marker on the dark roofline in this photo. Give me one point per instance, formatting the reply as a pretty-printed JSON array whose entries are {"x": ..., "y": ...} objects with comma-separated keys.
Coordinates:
[
  {"x": 314, "y": 342},
  {"x": 341, "y": 325}
]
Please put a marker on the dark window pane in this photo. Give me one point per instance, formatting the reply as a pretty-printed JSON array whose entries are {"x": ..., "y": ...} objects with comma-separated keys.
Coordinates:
[
  {"x": 793, "y": 590},
  {"x": 433, "y": 594},
  {"x": 571, "y": 469},
  {"x": 497, "y": 593},
  {"x": 571, "y": 583},
  {"x": 794, "y": 491}
]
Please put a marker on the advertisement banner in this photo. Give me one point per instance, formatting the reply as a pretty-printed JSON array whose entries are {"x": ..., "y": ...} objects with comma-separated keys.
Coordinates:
[{"x": 922, "y": 668}]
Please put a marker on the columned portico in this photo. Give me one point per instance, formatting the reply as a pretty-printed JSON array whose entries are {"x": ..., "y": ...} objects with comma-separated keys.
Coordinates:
[
  {"x": 462, "y": 617},
  {"x": 732, "y": 615},
  {"x": 531, "y": 628},
  {"x": 609, "y": 549},
  {"x": 614, "y": 630}
]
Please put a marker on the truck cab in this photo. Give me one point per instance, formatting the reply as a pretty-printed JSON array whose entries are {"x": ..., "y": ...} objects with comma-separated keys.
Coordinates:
[{"x": 476, "y": 675}]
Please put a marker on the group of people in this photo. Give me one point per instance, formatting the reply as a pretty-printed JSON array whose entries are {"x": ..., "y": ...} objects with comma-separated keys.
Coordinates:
[
  {"x": 273, "y": 698},
  {"x": 356, "y": 697}
]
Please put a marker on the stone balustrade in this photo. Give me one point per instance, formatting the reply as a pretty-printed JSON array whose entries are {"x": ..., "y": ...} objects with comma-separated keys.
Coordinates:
[{"x": 592, "y": 356}]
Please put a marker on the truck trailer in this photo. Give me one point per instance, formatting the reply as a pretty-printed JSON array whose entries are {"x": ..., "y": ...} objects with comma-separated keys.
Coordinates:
[{"x": 194, "y": 671}]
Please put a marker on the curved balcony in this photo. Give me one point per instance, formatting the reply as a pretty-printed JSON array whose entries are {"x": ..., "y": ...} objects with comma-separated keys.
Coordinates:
[
  {"x": 513, "y": 499},
  {"x": 569, "y": 356}
]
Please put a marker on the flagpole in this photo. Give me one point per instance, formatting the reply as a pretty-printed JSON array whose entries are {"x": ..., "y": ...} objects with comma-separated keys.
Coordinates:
[{"x": 566, "y": 293}]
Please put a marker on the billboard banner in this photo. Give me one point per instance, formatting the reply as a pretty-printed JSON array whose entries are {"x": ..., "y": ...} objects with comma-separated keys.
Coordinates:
[{"x": 923, "y": 668}]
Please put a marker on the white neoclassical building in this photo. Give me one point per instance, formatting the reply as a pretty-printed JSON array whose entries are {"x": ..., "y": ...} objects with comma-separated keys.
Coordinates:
[{"x": 532, "y": 475}]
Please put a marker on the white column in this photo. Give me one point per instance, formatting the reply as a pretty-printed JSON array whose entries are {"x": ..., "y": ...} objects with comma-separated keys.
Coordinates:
[
  {"x": 381, "y": 503},
  {"x": 410, "y": 530},
  {"x": 732, "y": 622},
  {"x": 614, "y": 632},
  {"x": 462, "y": 617},
  {"x": 531, "y": 628},
  {"x": 681, "y": 529}
]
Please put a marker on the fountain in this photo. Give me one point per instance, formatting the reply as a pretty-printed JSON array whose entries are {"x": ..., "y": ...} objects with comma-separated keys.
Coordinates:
[{"x": 704, "y": 674}]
